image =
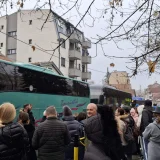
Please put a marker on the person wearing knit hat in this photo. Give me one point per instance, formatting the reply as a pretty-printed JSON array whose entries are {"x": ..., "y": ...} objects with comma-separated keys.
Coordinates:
[
  {"x": 74, "y": 127},
  {"x": 13, "y": 137},
  {"x": 67, "y": 111}
]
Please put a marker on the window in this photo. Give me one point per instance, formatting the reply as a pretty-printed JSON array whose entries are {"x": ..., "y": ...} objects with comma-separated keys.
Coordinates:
[
  {"x": 30, "y": 41},
  {"x": 2, "y": 27},
  {"x": 83, "y": 68},
  {"x": 29, "y": 59},
  {"x": 17, "y": 78},
  {"x": 30, "y": 22},
  {"x": 63, "y": 43},
  {"x": 77, "y": 48},
  {"x": 79, "y": 66},
  {"x": 1, "y": 44},
  {"x": 13, "y": 33},
  {"x": 62, "y": 62},
  {"x": 71, "y": 46},
  {"x": 11, "y": 51}
]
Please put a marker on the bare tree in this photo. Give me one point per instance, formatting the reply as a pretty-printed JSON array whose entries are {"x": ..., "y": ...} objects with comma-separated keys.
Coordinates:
[{"x": 140, "y": 23}]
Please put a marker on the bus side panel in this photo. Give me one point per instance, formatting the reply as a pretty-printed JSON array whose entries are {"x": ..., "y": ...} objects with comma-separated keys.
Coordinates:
[{"x": 41, "y": 101}]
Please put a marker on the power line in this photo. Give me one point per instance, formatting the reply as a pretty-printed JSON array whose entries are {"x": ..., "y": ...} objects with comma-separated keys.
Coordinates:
[{"x": 42, "y": 51}]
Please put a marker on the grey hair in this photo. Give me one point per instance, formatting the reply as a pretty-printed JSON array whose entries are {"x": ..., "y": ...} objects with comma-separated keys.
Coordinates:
[{"x": 51, "y": 110}]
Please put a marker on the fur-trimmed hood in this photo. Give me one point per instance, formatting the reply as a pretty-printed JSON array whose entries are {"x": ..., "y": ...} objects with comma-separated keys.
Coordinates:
[{"x": 124, "y": 117}]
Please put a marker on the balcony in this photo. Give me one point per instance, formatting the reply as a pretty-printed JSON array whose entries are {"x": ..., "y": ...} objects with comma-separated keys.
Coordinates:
[
  {"x": 87, "y": 43},
  {"x": 86, "y": 59},
  {"x": 73, "y": 72},
  {"x": 75, "y": 54},
  {"x": 86, "y": 75},
  {"x": 75, "y": 37}
]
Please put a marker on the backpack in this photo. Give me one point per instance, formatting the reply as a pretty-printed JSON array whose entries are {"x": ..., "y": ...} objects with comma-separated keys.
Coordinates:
[
  {"x": 81, "y": 130},
  {"x": 128, "y": 135}
]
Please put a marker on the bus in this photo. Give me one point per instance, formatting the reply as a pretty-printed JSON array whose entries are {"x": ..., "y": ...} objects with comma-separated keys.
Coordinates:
[
  {"x": 105, "y": 94},
  {"x": 29, "y": 84},
  {"x": 137, "y": 101}
]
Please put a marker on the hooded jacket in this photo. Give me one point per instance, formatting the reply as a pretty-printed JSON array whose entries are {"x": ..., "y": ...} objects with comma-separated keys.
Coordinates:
[
  {"x": 14, "y": 142},
  {"x": 74, "y": 127}
]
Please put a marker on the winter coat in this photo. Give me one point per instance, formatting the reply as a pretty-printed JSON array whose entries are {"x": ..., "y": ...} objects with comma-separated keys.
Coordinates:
[
  {"x": 152, "y": 133},
  {"x": 14, "y": 142},
  {"x": 30, "y": 131},
  {"x": 74, "y": 127},
  {"x": 146, "y": 118},
  {"x": 50, "y": 138},
  {"x": 94, "y": 152},
  {"x": 131, "y": 147},
  {"x": 122, "y": 129},
  {"x": 98, "y": 149},
  {"x": 31, "y": 118},
  {"x": 139, "y": 109}
]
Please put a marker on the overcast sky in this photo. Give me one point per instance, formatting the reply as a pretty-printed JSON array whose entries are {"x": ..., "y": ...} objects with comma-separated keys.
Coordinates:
[{"x": 100, "y": 63}]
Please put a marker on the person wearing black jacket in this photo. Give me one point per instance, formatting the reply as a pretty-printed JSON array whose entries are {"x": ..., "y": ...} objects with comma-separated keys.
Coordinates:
[
  {"x": 14, "y": 141},
  {"x": 147, "y": 115},
  {"x": 102, "y": 131},
  {"x": 27, "y": 109},
  {"x": 74, "y": 127},
  {"x": 24, "y": 121},
  {"x": 51, "y": 137}
]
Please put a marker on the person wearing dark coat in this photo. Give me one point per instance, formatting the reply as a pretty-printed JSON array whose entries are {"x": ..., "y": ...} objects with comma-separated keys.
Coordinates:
[
  {"x": 51, "y": 137},
  {"x": 147, "y": 116},
  {"x": 24, "y": 121},
  {"x": 74, "y": 127},
  {"x": 27, "y": 109},
  {"x": 14, "y": 141},
  {"x": 130, "y": 148},
  {"x": 102, "y": 131}
]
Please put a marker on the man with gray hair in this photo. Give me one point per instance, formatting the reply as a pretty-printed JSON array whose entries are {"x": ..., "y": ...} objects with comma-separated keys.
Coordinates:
[
  {"x": 51, "y": 137},
  {"x": 91, "y": 110}
]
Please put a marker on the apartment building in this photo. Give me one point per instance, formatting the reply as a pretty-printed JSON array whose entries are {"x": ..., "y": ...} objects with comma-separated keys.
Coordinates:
[{"x": 22, "y": 31}]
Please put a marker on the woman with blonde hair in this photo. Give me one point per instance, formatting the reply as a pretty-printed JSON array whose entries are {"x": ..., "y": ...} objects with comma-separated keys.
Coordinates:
[
  {"x": 14, "y": 142},
  {"x": 152, "y": 134}
]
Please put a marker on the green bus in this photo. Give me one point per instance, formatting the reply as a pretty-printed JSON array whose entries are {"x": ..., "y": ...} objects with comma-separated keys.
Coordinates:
[
  {"x": 105, "y": 94},
  {"x": 26, "y": 83}
]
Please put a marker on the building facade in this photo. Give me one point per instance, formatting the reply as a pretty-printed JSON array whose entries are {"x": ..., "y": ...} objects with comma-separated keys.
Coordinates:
[
  {"x": 33, "y": 36},
  {"x": 153, "y": 92},
  {"x": 121, "y": 81}
]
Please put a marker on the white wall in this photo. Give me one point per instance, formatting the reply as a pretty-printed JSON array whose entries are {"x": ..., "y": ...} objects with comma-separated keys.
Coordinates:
[
  {"x": 44, "y": 40},
  {"x": 3, "y": 21},
  {"x": 47, "y": 39}
]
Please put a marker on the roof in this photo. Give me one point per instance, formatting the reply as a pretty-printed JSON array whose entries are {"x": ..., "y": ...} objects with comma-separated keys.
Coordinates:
[
  {"x": 44, "y": 64},
  {"x": 36, "y": 68},
  {"x": 4, "y": 58}
]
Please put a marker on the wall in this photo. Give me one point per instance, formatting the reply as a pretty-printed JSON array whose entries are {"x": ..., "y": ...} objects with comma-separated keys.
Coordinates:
[{"x": 3, "y": 38}]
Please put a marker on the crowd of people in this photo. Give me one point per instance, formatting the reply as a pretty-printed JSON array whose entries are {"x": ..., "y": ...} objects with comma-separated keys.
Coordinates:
[{"x": 109, "y": 134}]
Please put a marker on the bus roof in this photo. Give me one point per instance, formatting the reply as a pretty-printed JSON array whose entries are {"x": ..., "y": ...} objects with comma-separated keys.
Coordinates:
[
  {"x": 37, "y": 68},
  {"x": 97, "y": 86}
]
